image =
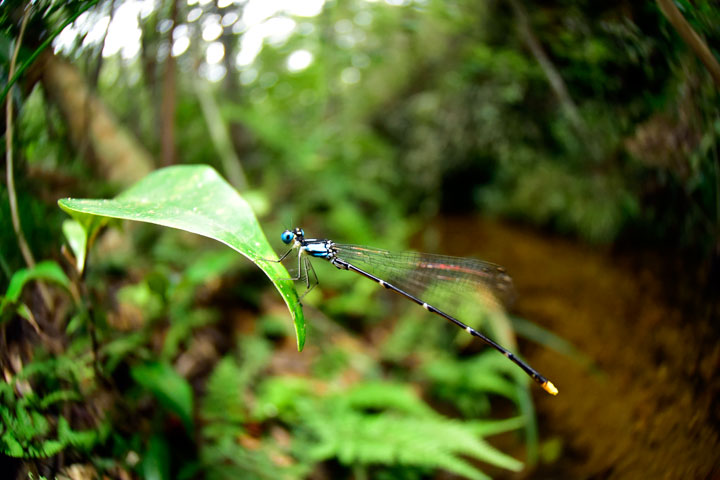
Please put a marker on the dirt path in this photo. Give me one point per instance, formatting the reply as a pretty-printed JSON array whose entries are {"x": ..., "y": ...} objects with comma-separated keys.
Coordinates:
[{"x": 651, "y": 409}]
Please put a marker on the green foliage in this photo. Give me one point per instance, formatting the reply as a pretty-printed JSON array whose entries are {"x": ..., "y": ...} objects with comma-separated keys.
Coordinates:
[
  {"x": 78, "y": 242},
  {"x": 48, "y": 271},
  {"x": 31, "y": 427},
  {"x": 143, "y": 297},
  {"x": 37, "y": 219},
  {"x": 466, "y": 383},
  {"x": 172, "y": 391},
  {"x": 373, "y": 424},
  {"x": 377, "y": 424},
  {"x": 226, "y": 411},
  {"x": 224, "y": 387},
  {"x": 550, "y": 194},
  {"x": 230, "y": 379},
  {"x": 156, "y": 462}
]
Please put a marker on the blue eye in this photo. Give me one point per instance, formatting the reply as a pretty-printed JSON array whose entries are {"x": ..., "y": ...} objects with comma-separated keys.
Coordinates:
[
  {"x": 287, "y": 237},
  {"x": 302, "y": 232}
]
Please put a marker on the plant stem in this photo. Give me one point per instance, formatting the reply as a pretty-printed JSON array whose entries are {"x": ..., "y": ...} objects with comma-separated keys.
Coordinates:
[
  {"x": 691, "y": 38},
  {"x": 12, "y": 196},
  {"x": 219, "y": 134},
  {"x": 5, "y": 267}
]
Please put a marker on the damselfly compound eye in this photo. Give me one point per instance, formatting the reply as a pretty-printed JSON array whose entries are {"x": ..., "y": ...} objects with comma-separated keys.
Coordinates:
[{"x": 287, "y": 237}]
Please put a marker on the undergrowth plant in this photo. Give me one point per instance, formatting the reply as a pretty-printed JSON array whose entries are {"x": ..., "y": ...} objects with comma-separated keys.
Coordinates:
[{"x": 35, "y": 420}]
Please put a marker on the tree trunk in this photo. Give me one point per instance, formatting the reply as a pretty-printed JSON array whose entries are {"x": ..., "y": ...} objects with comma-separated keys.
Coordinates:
[
  {"x": 92, "y": 128},
  {"x": 167, "y": 125}
]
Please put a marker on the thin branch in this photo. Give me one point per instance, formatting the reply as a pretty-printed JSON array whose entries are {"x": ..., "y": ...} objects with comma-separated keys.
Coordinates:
[
  {"x": 691, "y": 38},
  {"x": 12, "y": 195},
  {"x": 218, "y": 128},
  {"x": 219, "y": 134},
  {"x": 556, "y": 81},
  {"x": 95, "y": 69}
]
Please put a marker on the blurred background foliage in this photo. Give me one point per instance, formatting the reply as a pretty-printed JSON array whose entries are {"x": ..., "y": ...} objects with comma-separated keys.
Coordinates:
[{"x": 362, "y": 121}]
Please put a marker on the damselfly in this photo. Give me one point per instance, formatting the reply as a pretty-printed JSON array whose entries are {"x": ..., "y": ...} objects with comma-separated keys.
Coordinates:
[{"x": 410, "y": 275}]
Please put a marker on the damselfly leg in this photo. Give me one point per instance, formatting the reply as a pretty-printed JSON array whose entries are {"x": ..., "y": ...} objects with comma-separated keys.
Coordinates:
[{"x": 305, "y": 271}]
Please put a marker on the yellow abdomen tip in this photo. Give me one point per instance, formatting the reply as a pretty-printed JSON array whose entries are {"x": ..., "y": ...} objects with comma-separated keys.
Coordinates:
[{"x": 550, "y": 388}]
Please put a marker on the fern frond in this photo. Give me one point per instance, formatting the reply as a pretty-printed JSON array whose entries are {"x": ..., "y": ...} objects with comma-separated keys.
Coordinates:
[
  {"x": 283, "y": 397},
  {"x": 484, "y": 373},
  {"x": 386, "y": 424},
  {"x": 224, "y": 393},
  {"x": 27, "y": 429},
  {"x": 228, "y": 460},
  {"x": 387, "y": 396},
  {"x": 80, "y": 439},
  {"x": 355, "y": 438},
  {"x": 225, "y": 410},
  {"x": 58, "y": 396},
  {"x": 224, "y": 399},
  {"x": 48, "y": 448}
]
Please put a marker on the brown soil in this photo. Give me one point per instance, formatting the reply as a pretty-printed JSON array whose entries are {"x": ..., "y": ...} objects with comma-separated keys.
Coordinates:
[{"x": 649, "y": 408}]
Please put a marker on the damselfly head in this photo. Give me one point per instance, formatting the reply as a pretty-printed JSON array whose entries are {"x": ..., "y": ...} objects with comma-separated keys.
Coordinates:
[{"x": 289, "y": 235}]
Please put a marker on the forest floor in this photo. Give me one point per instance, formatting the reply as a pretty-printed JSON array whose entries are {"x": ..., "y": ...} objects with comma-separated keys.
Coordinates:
[{"x": 648, "y": 407}]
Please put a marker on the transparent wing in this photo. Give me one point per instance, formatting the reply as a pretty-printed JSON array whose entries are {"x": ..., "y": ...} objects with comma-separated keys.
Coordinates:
[{"x": 440, "y": 280}]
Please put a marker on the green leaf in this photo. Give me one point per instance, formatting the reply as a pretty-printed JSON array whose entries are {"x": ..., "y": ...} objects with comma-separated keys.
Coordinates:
[
  {"x": 485, "y": 428},
  {"x": 48, "y": 448},
  {"x": 195, "y": 198},
  {"x": 172, "y": 391},
  {"x": 82, "y": 440},
  {"x": 10, "y": 446},
  {"x": 24, "y": 311},
  {"x": 47, "y": 270},
  {"x": 387, "y": 396},
  {"x": 77, "y": 240},
  {"x": 156, "y": 461},
  {"x": 59, "y": 396},
  {"x": 75, "y": 322}
]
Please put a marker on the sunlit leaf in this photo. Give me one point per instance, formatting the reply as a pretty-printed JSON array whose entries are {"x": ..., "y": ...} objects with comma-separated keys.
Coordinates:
[
  {"x": 195, "y": 198},
  {"x": 77, "y": 240}
]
